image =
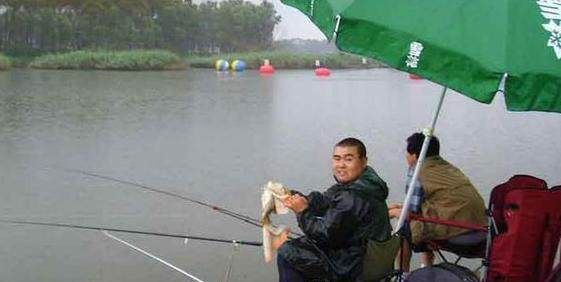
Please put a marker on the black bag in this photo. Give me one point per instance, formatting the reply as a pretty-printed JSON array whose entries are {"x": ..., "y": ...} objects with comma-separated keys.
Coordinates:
[{"x": 442, "y": 272}]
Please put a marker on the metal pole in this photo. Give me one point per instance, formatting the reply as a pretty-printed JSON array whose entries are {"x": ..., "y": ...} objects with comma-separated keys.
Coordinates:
[
  {"x": 228, "y": 273},
  {"x": 491, "y": 230},
  {"x": 428, "y": 132}
]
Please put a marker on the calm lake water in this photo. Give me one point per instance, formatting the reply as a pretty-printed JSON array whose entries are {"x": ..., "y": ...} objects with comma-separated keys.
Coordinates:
[{"x": 216, "y": 138}]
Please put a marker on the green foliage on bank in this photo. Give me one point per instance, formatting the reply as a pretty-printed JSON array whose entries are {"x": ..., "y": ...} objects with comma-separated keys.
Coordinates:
[
  {"x": 20, "y": 61},
  {"x": 29, "y": 28},
  {"x": 111, "y": 60},
  {"x": 285, "y": 60},
  {"x": 5, "y": 62}
]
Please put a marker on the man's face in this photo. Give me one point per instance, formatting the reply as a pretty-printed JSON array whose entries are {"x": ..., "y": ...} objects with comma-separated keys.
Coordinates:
[
  {"x": 346, "y": 163},
  {"x": 411, "y": 159}
]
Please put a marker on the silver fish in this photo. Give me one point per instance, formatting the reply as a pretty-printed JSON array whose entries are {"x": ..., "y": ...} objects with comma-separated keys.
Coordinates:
[{"x": 271, "y": 203}]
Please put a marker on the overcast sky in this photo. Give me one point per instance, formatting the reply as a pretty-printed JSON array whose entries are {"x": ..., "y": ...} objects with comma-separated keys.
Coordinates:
[{"x": 293, "y": 23}]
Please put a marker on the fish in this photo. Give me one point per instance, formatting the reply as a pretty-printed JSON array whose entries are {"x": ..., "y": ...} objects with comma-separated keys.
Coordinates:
[{"x": 271, "y": 202}]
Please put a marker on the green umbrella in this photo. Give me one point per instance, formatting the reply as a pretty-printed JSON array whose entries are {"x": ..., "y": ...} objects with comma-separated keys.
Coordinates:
[
  {"x": 471, "y": 46},
  {"x": 466, "y": 45}
]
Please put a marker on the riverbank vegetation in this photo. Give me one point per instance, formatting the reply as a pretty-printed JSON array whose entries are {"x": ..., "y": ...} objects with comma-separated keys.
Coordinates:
[
  {"x": 286, "y": 60},
  {"x": 5, "y": 62},
  {"x": 111, "y": 60},
  {"x": 32, "y": 28},
  {"x": 62, "y": 34}
]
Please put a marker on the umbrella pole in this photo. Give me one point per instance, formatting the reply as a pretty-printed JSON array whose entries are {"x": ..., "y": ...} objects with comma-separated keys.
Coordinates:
[{"x": 428, "y": 132}]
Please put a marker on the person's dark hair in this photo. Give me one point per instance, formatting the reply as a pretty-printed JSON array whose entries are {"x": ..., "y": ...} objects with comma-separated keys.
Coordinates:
[
  {"x": 353, "y": 142},
  {"x": 415, "y": 143}
]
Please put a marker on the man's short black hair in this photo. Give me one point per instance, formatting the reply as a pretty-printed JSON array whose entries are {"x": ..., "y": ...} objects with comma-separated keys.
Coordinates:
[
  {"x": 353, "y": 142},
  {"x": 415, "y": 143}
]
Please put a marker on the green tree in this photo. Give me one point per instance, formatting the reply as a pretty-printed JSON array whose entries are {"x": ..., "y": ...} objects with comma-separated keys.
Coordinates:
[{"x": 29, "y": 26}]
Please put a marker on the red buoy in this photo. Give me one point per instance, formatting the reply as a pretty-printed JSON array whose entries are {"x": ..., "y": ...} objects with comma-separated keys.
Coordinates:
[
  {"x": 414, "y": 76},
  {"x": 322, "y": 71},
  {"x": 266, "y": 69}
]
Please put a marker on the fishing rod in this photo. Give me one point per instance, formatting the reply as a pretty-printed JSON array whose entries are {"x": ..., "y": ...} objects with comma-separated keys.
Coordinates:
[
  {"x": 239, "y": 216},
  {"x": 99, "y": 228}
]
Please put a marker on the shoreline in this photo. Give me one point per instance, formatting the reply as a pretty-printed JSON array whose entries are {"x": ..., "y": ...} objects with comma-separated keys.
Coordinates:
[
  {"x": 158, "y": 60},
  {"x": 286, "y": 60}
]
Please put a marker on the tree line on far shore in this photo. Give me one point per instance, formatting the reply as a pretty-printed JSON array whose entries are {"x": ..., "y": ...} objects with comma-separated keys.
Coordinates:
[{"x": 29, "y": 27}]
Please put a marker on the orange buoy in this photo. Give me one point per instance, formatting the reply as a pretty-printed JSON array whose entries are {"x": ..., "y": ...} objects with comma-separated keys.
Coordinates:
[
  {"x": 322, "y": 71},
  {"x": 414, "y": 76}
]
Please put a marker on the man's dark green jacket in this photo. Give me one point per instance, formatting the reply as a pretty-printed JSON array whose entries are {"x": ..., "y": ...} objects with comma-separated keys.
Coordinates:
[{"x": 337, "y": 225}]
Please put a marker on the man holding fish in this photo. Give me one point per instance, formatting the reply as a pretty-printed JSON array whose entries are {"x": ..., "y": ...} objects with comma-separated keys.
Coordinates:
[{"x": 338, "y": 223}]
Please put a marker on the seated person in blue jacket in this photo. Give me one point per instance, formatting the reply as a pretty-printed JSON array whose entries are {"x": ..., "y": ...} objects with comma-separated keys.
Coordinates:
[{"x": 338, "y": 222}]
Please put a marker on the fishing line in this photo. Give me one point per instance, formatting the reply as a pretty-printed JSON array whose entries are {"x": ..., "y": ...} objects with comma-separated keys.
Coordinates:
[
  {"x": 98, "y": 228},
  {"x": 151, "y": 256}
]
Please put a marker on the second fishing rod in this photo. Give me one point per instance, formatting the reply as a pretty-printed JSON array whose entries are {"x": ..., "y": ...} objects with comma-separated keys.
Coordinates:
[
  {"x": 105, "y": 228},
  {"x": 236, "y": 215}
]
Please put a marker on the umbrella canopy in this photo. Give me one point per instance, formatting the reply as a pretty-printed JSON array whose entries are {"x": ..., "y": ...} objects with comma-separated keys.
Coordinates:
[{"x": 466, "y": 45}]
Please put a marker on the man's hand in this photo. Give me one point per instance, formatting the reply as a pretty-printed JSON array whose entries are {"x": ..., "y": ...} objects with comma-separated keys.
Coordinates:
[
  {"x": 296, "y": 203},
  {"x": 394, "y": 210},
  {"x": 279, "y": 240}
]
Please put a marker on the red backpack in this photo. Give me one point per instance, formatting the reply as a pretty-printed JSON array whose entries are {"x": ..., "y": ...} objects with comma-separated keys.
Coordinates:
[
  {"x": 498, "y": 194},
  {"x": 528, "y": 226},
  {"x": 551, "y": 235}
]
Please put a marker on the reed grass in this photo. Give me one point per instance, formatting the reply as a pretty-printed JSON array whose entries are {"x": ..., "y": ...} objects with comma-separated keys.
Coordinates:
[
  {"x": 5, "y": 62},
  {"x": 136, "y": 60}
]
